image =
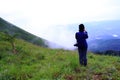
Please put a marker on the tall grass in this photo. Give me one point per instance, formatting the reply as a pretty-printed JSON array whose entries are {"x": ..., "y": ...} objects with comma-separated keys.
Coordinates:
[{"x": 37, "y": 63}]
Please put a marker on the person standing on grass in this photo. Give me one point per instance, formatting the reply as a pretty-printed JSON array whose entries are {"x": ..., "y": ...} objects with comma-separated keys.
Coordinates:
[{"x": 81, "y": 37}]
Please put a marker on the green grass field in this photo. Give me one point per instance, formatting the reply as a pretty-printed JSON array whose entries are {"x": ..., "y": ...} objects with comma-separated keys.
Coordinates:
[{"x": 37, "y": 63}]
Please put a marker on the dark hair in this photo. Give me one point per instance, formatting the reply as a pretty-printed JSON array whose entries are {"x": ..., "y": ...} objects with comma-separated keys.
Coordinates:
[{"x": 81, "y": 28}]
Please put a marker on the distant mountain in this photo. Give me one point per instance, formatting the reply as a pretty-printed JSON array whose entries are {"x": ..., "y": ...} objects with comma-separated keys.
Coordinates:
[
  {"x": 104, "y": 45},
  {"x": 22, "y": 34}
]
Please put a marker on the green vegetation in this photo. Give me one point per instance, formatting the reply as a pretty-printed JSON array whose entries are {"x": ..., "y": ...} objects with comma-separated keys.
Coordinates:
[
  {"x": 108, "y": 52},
  {"x": 37, "y": 63}
]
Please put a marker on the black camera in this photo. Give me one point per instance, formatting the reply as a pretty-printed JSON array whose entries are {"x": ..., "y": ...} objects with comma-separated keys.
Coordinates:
[{"x": 76, "y": 44}]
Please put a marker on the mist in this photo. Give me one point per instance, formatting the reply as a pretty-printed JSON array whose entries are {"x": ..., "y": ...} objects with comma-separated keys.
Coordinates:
[{"x": 60, "y": 36}]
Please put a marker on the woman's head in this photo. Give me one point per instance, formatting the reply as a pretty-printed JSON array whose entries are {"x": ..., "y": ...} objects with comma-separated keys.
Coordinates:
[{"x": 81, "y": 28}]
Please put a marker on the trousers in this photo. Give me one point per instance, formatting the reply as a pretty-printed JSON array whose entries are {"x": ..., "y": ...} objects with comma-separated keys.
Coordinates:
[{"x": 82, "y": 56}]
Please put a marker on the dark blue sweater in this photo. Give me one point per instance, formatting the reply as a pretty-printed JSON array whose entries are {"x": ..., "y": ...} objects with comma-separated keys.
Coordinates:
[{"x": 81, "y": 39}]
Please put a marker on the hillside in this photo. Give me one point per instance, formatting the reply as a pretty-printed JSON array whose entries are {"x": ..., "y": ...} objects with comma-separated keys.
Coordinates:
[
  {"x": 38, "y": 63},
  {"x": 104, "y": 45},
  {"x": 22, "y": 34}
]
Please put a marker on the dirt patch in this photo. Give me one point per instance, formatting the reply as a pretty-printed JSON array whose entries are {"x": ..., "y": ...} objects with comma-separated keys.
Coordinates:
[
  {"x": 97, "y": 76},
  {"x": 77, "y": 70},
  {"x": 69, "y": 77}
]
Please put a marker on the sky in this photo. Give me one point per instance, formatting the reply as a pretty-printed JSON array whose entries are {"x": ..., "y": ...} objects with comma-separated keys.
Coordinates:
[{"x": 45, "y": 18}]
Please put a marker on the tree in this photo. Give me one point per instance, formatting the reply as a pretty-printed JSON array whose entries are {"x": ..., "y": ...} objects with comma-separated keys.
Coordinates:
[{"x": 10, "y": 38}]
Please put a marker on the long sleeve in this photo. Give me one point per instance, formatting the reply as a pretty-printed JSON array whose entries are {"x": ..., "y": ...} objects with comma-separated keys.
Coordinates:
[{"x": 86, "y": 35}]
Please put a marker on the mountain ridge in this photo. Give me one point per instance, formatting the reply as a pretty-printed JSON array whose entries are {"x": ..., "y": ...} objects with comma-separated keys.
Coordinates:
[
  {"x": 104, "y": 45},
  {"x": 5, "y": 26}
]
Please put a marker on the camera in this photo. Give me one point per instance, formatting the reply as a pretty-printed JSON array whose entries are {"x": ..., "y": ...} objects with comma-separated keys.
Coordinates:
[{"x": 76, "y": 44}]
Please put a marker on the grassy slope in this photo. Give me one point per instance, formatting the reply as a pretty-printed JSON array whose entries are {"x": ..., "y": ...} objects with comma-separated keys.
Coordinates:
[{"x": 38, "y": 63}]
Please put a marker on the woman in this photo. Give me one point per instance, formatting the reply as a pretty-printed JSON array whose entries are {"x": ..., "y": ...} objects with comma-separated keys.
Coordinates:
[{"x": 81, "y": 37}]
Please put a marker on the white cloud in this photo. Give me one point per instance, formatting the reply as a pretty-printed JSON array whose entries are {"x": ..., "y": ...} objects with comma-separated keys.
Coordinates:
[{"x": 60, "y": 11}]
